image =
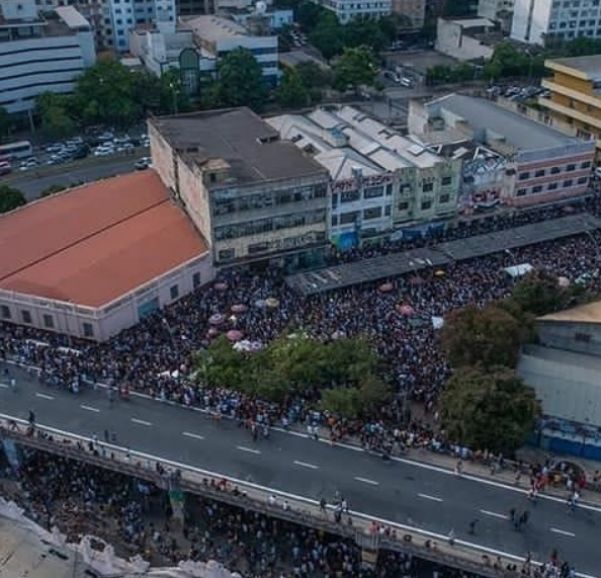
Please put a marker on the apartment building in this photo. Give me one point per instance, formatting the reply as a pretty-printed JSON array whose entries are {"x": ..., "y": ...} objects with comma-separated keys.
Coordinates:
[
  {"x": 190, "y": 7},
  {"x": 575, "y": 97},
  {"x": 539, "y": 21},
  {"x": 253, "y": 196},
  {"x": 413, "y": 10},
  {"x": 542, "y": 164},
  {"x": 380, "y": 181},
  {"x": 500, "y": 11},
  {"x": 40, "y": 51},
  {"x": 347, "y": 10}
]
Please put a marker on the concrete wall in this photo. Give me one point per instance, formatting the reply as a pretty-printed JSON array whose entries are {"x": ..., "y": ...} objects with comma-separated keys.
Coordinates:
[
  {"x": 195, "y": 197},
  {"x": 578, "y": 337},
  {"x": 453, "y": 40}
]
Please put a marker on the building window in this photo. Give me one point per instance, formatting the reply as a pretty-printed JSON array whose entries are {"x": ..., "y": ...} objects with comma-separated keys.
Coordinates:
[
  {"x": 585, "y": 165},
  {"x": 334, "y": 200},
  {"x": 196, "y": 280},
  {"x": 387, "y": 210},
  {"x": 48, "y": 321},
  {"x": 567, "y": 183},
  {"x": 426, "y": 205},
  {"x": 403, "y": 205},
  {"x": 521, "y": 192},
  {"x": 174, "y": 291},
  {"x": 226, "y": 254},
  {"x": 537, "y": 189},
  {"x": 258, "y": 248},
  {"x": 372, "y": 213},
  {"x": 571, "y": 168},
  {"x": 334, "y": 220},
  {"x": 347, "y": 218},
  {"x": 349, "y": 196},
  {"x": 540, "y": 173},
  {"x": 551, "y": 186},
  {"x": 88, "y": 329},
  {"x": 5, "y": 312},
  {"x": 373, "y": 192},
  {"x": 25, "y": 316},
  {"x": 582, "y": 180},
  {"x": 427, "y": 187},
  {"x": 445, "y": 198},
  {"x": 525, "y": 175},
  {"x": 555, "y": 170},
  {"x": 389, "y": 190},
  {"x": 446, "y": 181},
  {"x": 582, "y": 337}
]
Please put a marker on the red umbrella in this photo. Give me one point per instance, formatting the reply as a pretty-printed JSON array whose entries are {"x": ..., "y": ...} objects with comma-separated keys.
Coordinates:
[{"x": 234, "y": 335}]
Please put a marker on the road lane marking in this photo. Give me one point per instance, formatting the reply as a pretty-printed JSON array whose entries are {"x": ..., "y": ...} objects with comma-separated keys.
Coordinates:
[
  {"x": 306, "y": 465},
  {"x": 563, "y": 532},
  {"x": 249, "y": 450},
  {"x": 90, "y": 408},
  {"x": 367, "y": 481},
  {"x": 369, "y": 517},
  {"x": 4, "y": 385},
  {"x": 193, "y": 435},
  {"x": 494, "y": 514},
  {"x": 428, "y": 497},
  {"x": 140, "y": 421},
  {"x": 44, "y": 396}
]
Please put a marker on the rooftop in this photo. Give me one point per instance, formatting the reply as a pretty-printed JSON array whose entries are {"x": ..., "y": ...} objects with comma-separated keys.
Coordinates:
[
  {"x": 589, "y": 313},
  {"x": 251, "y": 148},
  {"x": 72, "y": 18},
  {"x": 495, "y": 122},
  {"x": 213, "y": 28},
  {"x": 588, "y": 66},
  {"x": 95, "y": 243}
]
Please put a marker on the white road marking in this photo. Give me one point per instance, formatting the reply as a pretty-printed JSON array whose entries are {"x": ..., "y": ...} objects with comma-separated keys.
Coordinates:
[
  {"x": 193, "y": 435},
  {"x": 428, "y": 497},
  {"x": 282, "y": 493},
  {"x": 44, "y": 396},
  {"x": 140, "y": 421},
  {"x": 494, "y": 514},
  {"x": 306, "y": 465},
  {"x": 563, "y": 532},
  {"x": 4, "y": 385},
  {"x": 367, "y": 481},
  {"x": 90, "y": 408},
  {"x": 249, "y": 450}
]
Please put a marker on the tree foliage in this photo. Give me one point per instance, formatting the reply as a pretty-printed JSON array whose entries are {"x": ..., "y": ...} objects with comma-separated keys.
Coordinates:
[
  {"x": 10, "y": 198},
  {"x": 539, "y": 293},
  {"x": 491, "y": 410},
  {"x": 489, "y": 336},
  {"x": 292, "y": 93},
  {"x": 356, "y": 67},
  {"x": 4, "y": 122},
  {"x": 55, "y": 116}
]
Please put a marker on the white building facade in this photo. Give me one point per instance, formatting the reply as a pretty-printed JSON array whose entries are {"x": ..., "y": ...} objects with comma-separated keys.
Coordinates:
[
  {"x": 41, "y": 52},
  {"x": 347, "y": 10},
  {"x": 537, "y": 21}
]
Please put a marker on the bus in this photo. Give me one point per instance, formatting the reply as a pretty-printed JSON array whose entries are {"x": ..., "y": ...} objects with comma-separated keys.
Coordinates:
[{"x": 16, "y": 150}]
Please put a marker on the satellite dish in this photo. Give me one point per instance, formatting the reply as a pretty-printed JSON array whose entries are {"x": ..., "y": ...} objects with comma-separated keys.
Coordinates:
[{"x": 261, "y": 7}]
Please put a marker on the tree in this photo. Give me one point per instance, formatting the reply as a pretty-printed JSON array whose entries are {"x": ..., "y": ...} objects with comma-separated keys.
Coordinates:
[
  {"x": 4, "y": 122},
  {"x": 539, "y": 293},
  {"x": 292, "y": 93},
  {"x": 173, "y": 96},
  {"x": 328, "y": 35},
  {"x": 342, "y": 401},
  {"x": 52, "y": 190},
  {"x": 240, "y": 81},
  {"x": 488, "y": 336},
  {"x": 494, "y": 411},
  {"x": 307, "y": 14},
  {"x": 356, "y": 66},
  {"x": 10, "y": 198},
  {"x": 54, "y": 111}
]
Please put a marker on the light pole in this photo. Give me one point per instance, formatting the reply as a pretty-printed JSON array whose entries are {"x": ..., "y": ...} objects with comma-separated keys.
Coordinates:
[{"x": 174, "y": 94}]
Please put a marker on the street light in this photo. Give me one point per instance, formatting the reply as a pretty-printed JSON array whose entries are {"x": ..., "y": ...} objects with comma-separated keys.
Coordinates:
[{"x": 174, "y": 94}]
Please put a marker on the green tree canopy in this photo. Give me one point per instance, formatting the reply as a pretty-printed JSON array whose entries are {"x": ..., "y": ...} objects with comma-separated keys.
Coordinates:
[
  {"x": 539, "y": 293},
  {"x": 239, "y": 81},
  {"x": 55, "y": 113},
  {"x": 4, "y": 122},
  {"x": 488, "y": 336},
  {"x": 10, "y": 198},
  {"x": 488, "y": 410},
  {"x": 328, "y": 35},
  {"x": 292, "y": 93},
  {"x": 357, "y": 66}
]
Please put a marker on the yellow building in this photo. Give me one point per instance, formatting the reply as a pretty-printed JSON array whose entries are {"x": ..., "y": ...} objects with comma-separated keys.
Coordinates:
[{"x": 575, "y": 98}]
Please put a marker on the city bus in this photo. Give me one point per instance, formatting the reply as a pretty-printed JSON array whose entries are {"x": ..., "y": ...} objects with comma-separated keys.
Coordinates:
[{"x": 16, "y": 150}]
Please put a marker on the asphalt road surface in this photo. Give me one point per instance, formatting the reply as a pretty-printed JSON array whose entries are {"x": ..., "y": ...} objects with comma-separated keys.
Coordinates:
[
  {"x": 401, "y": 491},
  {"x": 31, "y": 186}
]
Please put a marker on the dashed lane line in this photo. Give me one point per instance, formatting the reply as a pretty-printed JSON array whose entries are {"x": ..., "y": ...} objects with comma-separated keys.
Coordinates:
[
  {"x": 563, "y": 532},
  {"x": 306, "y": 465},
  {"x": 44, "y": 396},
  {"x": 90, "y": 408},
  {"x": 193, "y": 435},
  {"x": 367, "y": 481},
  {"x": 140, "y": 421},
  {"x": 429, "y": 497},
  {"x": 494, "y": 514},
  {"x": 248, "y": 450}
]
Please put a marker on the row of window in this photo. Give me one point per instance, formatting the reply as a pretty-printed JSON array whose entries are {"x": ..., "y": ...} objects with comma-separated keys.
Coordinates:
[
  {"x": 524, "y": 176},
  {"x": 425, "y": 205},
  {"x": 285, "y": 244},
  {"x": 551, "y": 186},
  {"x": 77, "y": 69},
  {"x": 353, "y": 216},
  {"x": 47, "y": 320}
]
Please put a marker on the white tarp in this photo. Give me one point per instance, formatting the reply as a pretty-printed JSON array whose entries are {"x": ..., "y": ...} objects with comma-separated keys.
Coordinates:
[{"x": 518, "y": 270}]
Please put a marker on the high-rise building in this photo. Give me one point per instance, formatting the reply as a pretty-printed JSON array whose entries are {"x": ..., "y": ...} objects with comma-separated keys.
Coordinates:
[{"x": 194, "y": 7}]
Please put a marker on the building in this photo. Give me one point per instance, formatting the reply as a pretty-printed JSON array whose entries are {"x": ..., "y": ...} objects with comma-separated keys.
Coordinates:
[
  {"x": 254, "y": 196},
  {"x": 194, "y": 7},
  {"x": 564, "y": 371},
  {"x": 381, "y": 182},
  {"x": 539, "y": 21},
  {"x": 40, "y": 52},
  {"x": 413, "y": 10},
  {"x": 467, "y": 39},
  {"x": 347, "y": 10},
  {"x": 94, "y": 260},
  {"x": 543, "y": 165},
  {"x": 575, "y": 95},
  {"x": 500, "y": 11}
]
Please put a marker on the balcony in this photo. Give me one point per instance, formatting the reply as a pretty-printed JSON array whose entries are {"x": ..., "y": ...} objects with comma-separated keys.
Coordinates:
[
  {"x": 572, "y": 113},
  {"x": 593, "y": 100}
]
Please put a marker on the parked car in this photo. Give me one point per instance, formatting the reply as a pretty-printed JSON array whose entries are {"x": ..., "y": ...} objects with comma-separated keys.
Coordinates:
[{"x": 143, "y": 163}]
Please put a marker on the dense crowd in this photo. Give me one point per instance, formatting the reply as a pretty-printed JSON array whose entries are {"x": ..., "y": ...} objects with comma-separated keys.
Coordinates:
[
  {"x": 155, "y": 356},
  {"x": 135, "y": 517}
]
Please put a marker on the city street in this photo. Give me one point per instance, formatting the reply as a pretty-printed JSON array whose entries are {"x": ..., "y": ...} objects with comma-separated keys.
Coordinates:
[{"x": 402, "y": 491}]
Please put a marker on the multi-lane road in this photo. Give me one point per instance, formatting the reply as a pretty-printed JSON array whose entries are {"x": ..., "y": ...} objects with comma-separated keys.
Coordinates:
[{"x": 403, "y": 491}]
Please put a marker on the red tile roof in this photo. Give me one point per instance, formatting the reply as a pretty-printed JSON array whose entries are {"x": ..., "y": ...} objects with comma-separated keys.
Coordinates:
[{"x": 93, "y": 244}]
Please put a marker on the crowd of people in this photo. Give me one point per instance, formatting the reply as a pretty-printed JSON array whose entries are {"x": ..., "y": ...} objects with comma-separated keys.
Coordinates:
[
  {"x": 135, "y": 517},
  {"x": 156, "y": 356}
]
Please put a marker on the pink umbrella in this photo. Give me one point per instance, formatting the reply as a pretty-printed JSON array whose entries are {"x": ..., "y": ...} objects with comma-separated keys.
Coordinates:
[
  {"x": 221, "y": 286},
  {"x": 239, "y": 308},
  {"x": 405, "y": 309},
  {"x": 234, "y": 335},
  {"x": 386, "y": 288},
  {"x": 216, "y": 319}
]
